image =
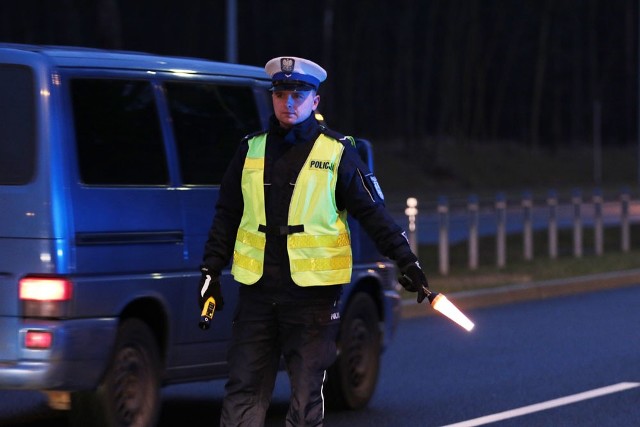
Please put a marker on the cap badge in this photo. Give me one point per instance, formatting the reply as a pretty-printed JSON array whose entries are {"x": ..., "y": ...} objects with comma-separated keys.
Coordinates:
[{"x": 287, "y": 65}]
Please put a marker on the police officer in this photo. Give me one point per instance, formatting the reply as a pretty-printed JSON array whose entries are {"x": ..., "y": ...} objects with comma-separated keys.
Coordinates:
[{"x": 282, "y": 216}]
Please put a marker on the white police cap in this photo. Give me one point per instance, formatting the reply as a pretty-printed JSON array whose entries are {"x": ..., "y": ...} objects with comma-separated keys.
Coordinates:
[{"x": 293, "y": 73}]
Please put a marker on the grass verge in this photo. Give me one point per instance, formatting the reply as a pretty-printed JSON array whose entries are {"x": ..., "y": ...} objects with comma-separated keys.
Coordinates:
[{"x": 541, "y": 267}]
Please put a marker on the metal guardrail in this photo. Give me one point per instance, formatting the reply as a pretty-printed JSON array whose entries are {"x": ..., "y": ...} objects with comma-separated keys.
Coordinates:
[{"x": 443, "y": 226}]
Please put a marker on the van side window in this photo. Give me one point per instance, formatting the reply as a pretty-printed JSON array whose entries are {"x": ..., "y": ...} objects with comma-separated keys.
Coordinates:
[
  {"x": 209, "y": 120},
  {"x": 17, "y": 125},
  {"x": 118, "y": 133}
]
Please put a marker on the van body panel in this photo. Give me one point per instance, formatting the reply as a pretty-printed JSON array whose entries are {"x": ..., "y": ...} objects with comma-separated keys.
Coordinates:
[
  {"x": 198, "y": 204},
  {"x": 75, "y": 361},
  {"x": 20, "y": 257},
  {"x": 137, "y": 230}
]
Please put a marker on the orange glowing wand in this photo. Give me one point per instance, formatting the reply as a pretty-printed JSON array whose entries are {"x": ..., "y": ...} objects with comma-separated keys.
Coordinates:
[{"x": 440, "y": 303}]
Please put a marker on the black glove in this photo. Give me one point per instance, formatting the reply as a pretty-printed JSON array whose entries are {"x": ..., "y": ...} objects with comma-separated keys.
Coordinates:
[
  {"x": 209, "y": 286},
  {"x": 414, "y": 280}
]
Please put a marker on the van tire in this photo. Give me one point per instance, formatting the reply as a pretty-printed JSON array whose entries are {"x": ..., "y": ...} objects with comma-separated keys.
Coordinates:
[
  {"x": 351, "y": 380},
  {"x": 129, "y": 394}
]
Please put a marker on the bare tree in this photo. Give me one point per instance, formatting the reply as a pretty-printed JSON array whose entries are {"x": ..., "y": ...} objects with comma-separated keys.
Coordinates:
[
  {"x": 109, "y": 26},
  {"x": 540, "y": 70}
]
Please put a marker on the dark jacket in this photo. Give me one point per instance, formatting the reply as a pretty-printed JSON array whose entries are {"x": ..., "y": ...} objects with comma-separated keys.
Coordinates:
[{"x": 286, "y": 152}]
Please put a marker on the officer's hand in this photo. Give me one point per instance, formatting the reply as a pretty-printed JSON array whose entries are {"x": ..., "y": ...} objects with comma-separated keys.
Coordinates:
[
  {"x": 414, "y": 280},
  {"x": 209, "y": 286}
]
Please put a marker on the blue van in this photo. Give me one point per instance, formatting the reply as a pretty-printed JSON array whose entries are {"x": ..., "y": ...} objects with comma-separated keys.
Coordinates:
[{"x": 110, "y": 164}]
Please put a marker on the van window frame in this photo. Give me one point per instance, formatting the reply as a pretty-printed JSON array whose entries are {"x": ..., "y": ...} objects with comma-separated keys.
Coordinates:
[
  {"x": 72, "y": 127},
  {"x": 157, "y": 79},
  {"x": 19, "y": 157},
  {"x": 256, "y": 87}
]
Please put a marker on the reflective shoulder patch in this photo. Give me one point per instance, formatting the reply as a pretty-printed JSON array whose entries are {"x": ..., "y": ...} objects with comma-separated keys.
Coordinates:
[{"x": 375, "y": 185}]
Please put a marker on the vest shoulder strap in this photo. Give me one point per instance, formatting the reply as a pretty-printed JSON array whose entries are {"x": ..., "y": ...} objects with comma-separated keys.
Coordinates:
[
  {"x": 345, "y": 140},
  {"x": 253, "y": 135}
]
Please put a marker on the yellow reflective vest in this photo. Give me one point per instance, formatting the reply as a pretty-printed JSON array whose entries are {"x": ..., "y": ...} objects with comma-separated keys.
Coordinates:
[{"x": 321, "y": 253}]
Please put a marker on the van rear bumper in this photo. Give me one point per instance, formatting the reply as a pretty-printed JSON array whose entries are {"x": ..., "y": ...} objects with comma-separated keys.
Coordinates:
[{"x": 77, "y": 358}]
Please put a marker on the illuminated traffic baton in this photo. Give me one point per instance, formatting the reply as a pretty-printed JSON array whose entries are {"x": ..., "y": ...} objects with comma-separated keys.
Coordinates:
[
  {"x": 207, "y": 314},
  {"x": 440, "y": 303}
]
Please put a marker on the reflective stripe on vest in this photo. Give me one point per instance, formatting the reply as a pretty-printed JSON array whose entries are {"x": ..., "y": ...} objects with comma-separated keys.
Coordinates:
[{"x": 321, "y": 254}]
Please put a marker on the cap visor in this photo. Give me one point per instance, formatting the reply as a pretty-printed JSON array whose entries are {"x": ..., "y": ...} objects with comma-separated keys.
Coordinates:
[{"x": 293, "y": 87}]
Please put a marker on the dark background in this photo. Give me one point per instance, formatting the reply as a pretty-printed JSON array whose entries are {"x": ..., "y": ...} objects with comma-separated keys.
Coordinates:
[{"x": 534, "y": 74}]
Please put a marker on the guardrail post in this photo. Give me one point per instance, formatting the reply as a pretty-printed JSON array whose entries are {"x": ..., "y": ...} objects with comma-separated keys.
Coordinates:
[
  {"x": 443, "y": 239},
  {"x": 598, "y": 235},
  {"x": 527, "y": 226},
  {"x": 473, "y": 208},
  {"x": 552, "y": 203},
  {"x": 576, "y": 200},
  {"x": 411, "y": 212},
  {"x": 501, "y": 232},
  {"x": 624, "y": 221}
]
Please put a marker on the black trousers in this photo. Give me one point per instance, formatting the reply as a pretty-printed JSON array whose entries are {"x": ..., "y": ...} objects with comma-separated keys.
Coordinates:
[{"x": 304, "y": 333}]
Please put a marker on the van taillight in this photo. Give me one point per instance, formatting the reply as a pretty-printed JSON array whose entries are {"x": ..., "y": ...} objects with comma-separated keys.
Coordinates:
[
  {"x": 38, "y": 340},
  {"x": 45, "y": 289},
  {"x": 45, "y": 296}
]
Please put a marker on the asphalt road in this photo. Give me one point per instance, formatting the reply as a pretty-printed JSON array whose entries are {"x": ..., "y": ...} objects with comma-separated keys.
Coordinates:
[
  {"x": 522, "y": 354},
  {"x": 563, "y": 361}
]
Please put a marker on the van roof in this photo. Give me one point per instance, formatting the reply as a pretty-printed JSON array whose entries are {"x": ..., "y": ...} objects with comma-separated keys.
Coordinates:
[{"x": 73, "y": 56}]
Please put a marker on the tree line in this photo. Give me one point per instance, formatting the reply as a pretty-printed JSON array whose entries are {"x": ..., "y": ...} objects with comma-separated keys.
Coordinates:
[{"x": 542, "y": 73}]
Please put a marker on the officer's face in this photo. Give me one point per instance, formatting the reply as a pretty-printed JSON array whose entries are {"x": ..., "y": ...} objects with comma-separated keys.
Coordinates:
[{"x": 294, "y": 107}]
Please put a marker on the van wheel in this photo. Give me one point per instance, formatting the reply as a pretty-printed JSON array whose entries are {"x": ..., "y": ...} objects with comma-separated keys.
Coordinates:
[
  {"x": 352, "y": 379},
  {"x": 129, "y": 394}
]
